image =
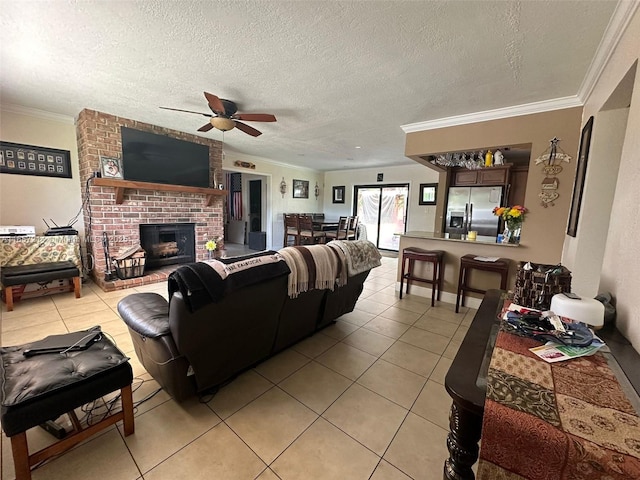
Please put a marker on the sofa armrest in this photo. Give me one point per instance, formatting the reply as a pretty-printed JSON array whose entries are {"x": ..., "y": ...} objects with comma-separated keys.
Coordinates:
[{"x": 146, "y": 314}]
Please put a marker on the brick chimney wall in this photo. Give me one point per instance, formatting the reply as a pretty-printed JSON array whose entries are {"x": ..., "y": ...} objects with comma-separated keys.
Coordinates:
[{"x": 99, "y": 135}]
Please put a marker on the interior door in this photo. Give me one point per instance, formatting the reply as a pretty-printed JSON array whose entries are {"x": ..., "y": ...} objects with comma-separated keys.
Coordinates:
[{"x": 382, "y": 209}]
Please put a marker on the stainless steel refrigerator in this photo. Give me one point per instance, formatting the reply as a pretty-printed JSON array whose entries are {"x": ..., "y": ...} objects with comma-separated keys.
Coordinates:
[{"x": 471, "y": 208}]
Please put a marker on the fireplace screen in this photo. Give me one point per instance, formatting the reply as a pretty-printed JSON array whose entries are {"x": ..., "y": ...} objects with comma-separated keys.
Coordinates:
[{"x": 168, "y": 243}]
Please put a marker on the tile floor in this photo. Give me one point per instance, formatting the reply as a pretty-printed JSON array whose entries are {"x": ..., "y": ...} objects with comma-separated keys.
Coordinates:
[{"x": 362, "y": 399}]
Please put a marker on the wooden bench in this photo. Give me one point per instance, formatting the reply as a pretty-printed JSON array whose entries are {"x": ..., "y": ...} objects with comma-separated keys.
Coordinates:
[{"x": 21, "y": 275}]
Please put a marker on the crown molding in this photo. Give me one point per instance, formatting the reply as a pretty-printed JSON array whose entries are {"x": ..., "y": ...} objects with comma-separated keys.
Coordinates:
[
  {"x": 618, "y": 23},
  {"x": 496, "y": 114},
  {"x": 34, "y": 112}
]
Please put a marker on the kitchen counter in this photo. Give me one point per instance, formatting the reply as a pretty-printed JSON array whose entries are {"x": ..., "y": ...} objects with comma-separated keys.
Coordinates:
[
  {"x": 454, "y": 249},
  {"x": 481, "y": 240}
]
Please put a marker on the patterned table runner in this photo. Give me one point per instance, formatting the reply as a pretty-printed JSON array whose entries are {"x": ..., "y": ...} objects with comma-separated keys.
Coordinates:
[{"x": 567, "y": 420}]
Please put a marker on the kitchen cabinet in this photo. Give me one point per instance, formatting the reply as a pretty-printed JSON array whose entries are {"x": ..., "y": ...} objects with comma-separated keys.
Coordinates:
[{"x": 483, "y": 176}]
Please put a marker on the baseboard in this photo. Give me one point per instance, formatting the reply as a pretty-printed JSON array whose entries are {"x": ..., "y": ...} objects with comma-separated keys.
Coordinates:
[{"x": 446, "y": 297}]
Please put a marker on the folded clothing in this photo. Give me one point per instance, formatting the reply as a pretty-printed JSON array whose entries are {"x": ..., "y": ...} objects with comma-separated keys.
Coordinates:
[
  {"x": 360, "y": 255},
  {"x": 201, "y": 283}
]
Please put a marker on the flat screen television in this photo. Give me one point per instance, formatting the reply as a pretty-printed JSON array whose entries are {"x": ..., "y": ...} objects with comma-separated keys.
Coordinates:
[{"x": 148, "y": 157}]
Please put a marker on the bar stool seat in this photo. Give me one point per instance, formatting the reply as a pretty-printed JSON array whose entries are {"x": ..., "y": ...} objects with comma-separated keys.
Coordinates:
[
  {"x": 468, "y": 262},
  {"x": 435, "y": 257}
]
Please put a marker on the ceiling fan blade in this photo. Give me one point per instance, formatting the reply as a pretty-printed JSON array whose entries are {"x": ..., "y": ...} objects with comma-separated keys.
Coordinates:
[
  {"x": 205, "y": 128},
  {"x": 247, "y": 129},
  {"x": 187, "y": 111},
  {"x": 214, "y": 103},
  {"x": 255, "y": 117}
]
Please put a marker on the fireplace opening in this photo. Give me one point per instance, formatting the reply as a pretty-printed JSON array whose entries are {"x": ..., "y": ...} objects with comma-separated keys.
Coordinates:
[{"x": 168, "y": 243}]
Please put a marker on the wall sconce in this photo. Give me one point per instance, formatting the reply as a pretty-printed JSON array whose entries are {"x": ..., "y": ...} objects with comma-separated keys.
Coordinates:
[
  {"x": 316, "y": 191},
  {"x": 283, "y": 187}
]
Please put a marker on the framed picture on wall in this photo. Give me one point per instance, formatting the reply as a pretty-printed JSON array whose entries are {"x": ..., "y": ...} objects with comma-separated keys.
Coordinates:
[
  {"x": 300, "y": 188},
  {"x": 581, "y": 173},
  {"x": 338, "y": 194},
  {"x": 33, "y": 160},
  {"x": 428, "y": 194}
]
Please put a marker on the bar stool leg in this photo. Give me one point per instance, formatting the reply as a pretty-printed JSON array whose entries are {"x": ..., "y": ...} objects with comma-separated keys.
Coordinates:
[
  {"x": 8, "y": 297},
  {"x": 402, "y": 276},
  {"x": 440, "y": 276},
  {"x": 434, "y": 283},
  {"x": 461, "y": 275}
]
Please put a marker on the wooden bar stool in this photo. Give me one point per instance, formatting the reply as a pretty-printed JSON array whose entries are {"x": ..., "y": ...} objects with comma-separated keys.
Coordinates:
[
  {"x": 468, "y": 262},
  {"x": 436, "y": 257}
]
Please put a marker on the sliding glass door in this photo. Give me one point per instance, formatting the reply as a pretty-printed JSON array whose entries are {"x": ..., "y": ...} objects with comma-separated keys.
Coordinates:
[{"x": 382, "y": 209}]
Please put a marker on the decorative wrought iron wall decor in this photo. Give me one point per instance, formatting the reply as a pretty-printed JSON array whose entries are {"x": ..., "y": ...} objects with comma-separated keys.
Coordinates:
[{"x": 33, "y": 160}]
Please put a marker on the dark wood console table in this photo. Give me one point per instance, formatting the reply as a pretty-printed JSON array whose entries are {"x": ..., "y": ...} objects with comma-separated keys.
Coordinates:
[{"x": 466, "y": 383}]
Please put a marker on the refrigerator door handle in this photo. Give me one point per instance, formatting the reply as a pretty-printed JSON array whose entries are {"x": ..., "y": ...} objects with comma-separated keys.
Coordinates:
[
  {"x": 465, "y": 225},
  {"x": 470, "y": 217}
]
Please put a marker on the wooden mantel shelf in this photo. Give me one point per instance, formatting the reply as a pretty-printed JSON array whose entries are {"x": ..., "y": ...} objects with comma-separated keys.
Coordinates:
[{"x": 121, "y": 185}]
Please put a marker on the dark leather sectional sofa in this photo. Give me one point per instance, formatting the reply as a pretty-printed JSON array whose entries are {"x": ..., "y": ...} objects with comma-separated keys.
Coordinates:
[{"x": 190, "y": 351}]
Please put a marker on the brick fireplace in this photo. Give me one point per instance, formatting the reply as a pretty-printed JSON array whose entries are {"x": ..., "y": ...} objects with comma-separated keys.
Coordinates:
[{"x": 118, "y": 212}]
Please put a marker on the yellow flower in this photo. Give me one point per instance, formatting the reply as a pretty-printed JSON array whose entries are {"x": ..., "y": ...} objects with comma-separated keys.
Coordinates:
[
  {"x": 515, "y": 213},
  {"x": 210, "y": 245}
]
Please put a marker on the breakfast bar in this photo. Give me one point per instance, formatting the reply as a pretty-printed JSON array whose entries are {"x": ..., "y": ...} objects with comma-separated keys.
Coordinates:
[{"x": 454, "y": 249}]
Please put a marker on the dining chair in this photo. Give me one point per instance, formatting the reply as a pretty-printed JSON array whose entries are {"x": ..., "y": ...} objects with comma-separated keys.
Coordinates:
[
  {"x": 340, "y": 233},
  {"x": 309, "y": 234},
  {"x": 291, "y": 228},
  {"x": 352, "y": 228}
]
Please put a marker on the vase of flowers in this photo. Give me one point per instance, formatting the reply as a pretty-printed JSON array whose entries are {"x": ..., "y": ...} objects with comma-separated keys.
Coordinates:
[
  {"x": 212, "y": 246},
  {"x": 513, "y": 218}
]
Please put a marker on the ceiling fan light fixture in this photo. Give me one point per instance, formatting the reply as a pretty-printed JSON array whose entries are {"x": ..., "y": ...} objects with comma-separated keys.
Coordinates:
[{"x": 222, "y": 123}]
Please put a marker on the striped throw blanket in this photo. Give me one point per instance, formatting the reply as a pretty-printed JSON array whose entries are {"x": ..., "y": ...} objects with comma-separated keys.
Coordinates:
[
  {"x": 360, "y": 255},
  {"x": 313, "y": 267}
]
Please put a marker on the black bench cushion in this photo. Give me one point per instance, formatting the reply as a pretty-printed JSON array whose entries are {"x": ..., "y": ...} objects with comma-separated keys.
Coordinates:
[
  {"x": 38, "y": 272},
  {"x": 43, "y": 387}
]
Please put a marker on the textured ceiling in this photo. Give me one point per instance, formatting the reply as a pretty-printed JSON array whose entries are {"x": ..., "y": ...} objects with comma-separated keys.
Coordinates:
[{"x": 337, "y": 75}]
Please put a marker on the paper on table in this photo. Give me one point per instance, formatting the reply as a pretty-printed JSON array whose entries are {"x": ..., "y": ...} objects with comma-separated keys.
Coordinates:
[
  {"x": 486, "y": 259},
  {"x": 552, "y": 352}
]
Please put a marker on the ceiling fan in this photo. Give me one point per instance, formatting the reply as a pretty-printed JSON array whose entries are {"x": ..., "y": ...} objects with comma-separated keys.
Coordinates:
[{"x": 225, "y": 116}]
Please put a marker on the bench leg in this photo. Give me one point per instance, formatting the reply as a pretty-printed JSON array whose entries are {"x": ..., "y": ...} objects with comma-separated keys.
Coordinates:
[
  {"x": 8, "y": 297},
  {"x": 77, "y": 287},
  {"x": 127, "y": 410},
  {"x": 21, "y": 456}
]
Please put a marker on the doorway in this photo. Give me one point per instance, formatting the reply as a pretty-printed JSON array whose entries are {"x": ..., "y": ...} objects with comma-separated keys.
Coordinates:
[
  {"x": 255, "y": 205},
  {"x": 382, "y": 209}
]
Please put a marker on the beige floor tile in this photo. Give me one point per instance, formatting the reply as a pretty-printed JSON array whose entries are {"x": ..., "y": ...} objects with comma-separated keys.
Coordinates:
[
  {"x": 369, "y": 341},
  {"x": 340, "y": 329},
  {"x": 27, "y": 306},
  {"x": 468, "y": 318},
  {"x": 436, "y": 325},
  {"x": 31, "y": 334},
  {"x": 270, "y": 423},
  {"x": 401, "y": 315},
  {"x": 316, "y": 386},
  {"x": 440, "y": 372},
  {"x": 447, "y": 311},
  {"x": 387, "y": 299},
  {"x": 413, "y": 303},
  {"x": 433, "y": 404},
  {"x": 461, "y": 332},
  {"x": 346, "y": 360},
  {"x": 30, "y": 320},
  {"x": 371, "y": 306},
  {"x": 451, "y": 350},
  {"x": 164, "y": 430},
  {"x": 429, "y": 341},
  {"x": 389, "y": 328},
  {"x": 219, "y": 453},
  {"x": 85, "y": 310},
  {"x": 124, "y": 342},
  {"x": 91, "y": 319},
  {"x": 386, "y": 471},
  {"x": 323, "y": 452},
  {"x": 282, "y": 365},
  {"x": 358, "y": 317},
  {"x": 366, "y": 416},
  {"x": 412, "y": 358},
  {"x": 367, "y": 292},
  {"x": 138, "y": 368},
  {"x": 419, "y": 449},
  {"x": 315, "y": 345},
  {"x": 114, "y": 294},
  {"x": 242, "y": 390},
  {"x": 268, "y": 475},
  {"x": 153, "y": 288},
  {"x": 68, "y": 299},
  {"x": 145, "y": 392},
  {"x": 392, "y": 382},
  {"x": 105, "y": 453}
]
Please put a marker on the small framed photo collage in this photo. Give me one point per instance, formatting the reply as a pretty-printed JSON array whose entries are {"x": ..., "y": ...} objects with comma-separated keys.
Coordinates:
[{"x": 32, "y": 160}]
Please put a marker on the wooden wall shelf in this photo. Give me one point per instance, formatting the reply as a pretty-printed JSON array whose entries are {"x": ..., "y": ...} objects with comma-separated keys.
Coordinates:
[{"x": 121, "y": 185}]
